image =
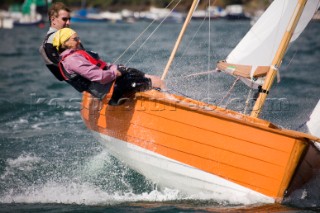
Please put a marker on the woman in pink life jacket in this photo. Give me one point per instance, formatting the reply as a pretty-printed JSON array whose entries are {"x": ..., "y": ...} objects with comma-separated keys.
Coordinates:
[{"x": 85, "y": 72}]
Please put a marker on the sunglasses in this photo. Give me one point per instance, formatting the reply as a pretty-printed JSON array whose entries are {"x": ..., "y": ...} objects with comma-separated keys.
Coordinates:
[
  {"x": 76, "y": 39},
  {"x": 65, "y": 19}
]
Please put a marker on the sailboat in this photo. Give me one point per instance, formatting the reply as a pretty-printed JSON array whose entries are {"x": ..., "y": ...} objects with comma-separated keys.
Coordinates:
[
  {"x": 197, "y": 147},
  {"x": 29, "y": 15}
]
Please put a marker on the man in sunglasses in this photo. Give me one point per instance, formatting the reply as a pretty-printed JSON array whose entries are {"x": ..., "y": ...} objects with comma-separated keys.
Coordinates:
[
  {"x": 59, "y": 17},
  {"x": 85, "y": 78}
]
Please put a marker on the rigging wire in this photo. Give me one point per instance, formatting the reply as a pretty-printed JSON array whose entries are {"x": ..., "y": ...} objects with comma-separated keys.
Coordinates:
[
  {"x": 143, "y": 32},
  {"x": 189, "y": 44},
  {"x": 209, "y": 43},
  {"x": 208, "y": 16},
  {"x": 151, "y": 34},
  {"x": 209, "y": 39}
]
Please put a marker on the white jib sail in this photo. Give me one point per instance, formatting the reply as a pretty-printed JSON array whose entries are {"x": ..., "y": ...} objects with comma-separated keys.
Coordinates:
[
  {"x": 260, "y": 44},
  {"x": 314, "y": 123}
]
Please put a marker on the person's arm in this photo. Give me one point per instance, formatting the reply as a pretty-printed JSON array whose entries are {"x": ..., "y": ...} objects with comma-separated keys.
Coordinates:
[{"x": 80, "y": 65}]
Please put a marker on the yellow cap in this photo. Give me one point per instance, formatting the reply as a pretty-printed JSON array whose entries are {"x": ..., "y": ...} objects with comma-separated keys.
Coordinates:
[{"x": 62, "y": 36}]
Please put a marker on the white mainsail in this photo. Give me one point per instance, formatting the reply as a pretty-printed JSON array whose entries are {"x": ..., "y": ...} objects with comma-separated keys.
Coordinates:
[{"x": 260, "y": 44}]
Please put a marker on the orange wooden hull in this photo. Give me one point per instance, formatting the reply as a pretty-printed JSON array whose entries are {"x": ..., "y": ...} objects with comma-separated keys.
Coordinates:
[{"x": 247, "y": 151}]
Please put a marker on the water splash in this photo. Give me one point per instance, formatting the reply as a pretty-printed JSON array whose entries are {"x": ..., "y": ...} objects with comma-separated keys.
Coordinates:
[{"x": 24, "y": 163}]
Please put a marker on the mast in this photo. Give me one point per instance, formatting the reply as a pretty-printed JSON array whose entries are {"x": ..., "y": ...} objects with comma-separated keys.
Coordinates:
[
  {"x": 174, "y": 51},
  {"x": 272, "y": 73}
]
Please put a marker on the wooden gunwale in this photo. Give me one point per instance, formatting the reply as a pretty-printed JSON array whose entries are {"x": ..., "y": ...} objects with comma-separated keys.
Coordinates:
[{"x": 225, "y": 114}]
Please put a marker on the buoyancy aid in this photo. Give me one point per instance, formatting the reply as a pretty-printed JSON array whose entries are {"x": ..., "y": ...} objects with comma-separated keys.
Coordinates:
[
  {"x": 89, "y": 57},
  {"x": 81, "y": 84},
  {"x": 51, "y": 57}
]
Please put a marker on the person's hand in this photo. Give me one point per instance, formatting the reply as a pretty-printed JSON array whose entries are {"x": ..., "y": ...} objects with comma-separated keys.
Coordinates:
[
  {"x": 118, "y": 73},
  {"x": 157, "y": 82},
  {"x": 122, "y": 69}
]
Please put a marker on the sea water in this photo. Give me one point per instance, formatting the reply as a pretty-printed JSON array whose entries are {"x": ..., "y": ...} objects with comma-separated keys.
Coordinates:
[{"x": 49, "y": 161}]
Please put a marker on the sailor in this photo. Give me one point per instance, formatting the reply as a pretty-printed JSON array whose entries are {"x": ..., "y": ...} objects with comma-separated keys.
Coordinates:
[
  {"x": 87, "y": 73},
  {"x": 59, "y": 17}
]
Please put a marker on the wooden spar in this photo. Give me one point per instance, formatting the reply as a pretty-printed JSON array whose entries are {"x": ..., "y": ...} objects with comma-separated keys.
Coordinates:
[
  {"x": 186, "y": 22},
  {"x": 272, "y": 73}
]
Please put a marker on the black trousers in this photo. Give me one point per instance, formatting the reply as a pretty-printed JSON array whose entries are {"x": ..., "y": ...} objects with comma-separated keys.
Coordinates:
[{"x": 131, "y": 81}]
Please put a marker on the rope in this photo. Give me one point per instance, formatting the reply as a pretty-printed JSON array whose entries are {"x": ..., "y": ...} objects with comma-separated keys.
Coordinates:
[
  {"x": 247, "y": 101},
  {"x": 200, "y": 73},
  {"x": 178, "y": 92},
  {"x": 229, "y": 92}
]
